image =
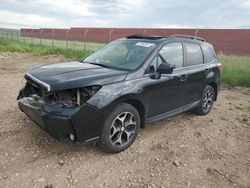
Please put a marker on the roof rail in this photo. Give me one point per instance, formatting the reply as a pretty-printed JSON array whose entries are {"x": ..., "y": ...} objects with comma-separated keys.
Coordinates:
[
  {"x": 142, "y": 36},
  {"x": 187, "y": 36}
]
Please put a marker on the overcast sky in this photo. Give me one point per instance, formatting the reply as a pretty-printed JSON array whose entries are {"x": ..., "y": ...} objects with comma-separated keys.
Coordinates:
[{"x": 125, "y": 13}]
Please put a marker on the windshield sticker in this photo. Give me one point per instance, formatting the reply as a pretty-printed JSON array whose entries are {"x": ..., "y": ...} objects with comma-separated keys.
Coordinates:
[{"x": 144, "y": 44}]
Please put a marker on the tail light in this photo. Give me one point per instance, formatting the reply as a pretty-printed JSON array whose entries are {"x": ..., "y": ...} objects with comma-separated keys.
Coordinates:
[{"x": 219, "y": 65}]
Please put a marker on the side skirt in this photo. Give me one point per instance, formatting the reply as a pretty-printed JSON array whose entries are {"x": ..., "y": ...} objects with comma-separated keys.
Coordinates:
[{"x": 173, "y": 112}]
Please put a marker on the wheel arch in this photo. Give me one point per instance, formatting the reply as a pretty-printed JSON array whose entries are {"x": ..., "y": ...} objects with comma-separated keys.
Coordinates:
[
  {"x": 215, "y": 87},
  {"x": 133, "y": 99},
  {"x": 140, "y": 108}
]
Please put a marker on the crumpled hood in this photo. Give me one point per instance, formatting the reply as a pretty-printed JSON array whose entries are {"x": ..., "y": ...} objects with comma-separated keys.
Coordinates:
[{"x": 70, "y": 75}]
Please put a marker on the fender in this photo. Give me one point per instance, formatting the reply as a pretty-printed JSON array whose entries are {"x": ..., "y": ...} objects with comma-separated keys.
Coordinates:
[{"x": 111, "y": 95}]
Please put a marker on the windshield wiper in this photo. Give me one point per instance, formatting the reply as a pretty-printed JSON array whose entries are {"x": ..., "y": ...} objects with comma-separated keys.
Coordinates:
[
  {"x": 106, "y": 66},
  {"x": 99, "y": 64}
]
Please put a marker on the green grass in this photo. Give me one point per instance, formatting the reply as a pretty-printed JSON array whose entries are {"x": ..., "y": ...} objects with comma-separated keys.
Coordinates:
[
  {"x": 36, "y": 49},
  {"x": 77, "y": 45},
  {"x": 235, "y": 70}
]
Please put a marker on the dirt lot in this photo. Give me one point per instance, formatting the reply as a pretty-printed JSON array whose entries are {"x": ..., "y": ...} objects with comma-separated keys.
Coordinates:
[{"x": 183, "y": 151}]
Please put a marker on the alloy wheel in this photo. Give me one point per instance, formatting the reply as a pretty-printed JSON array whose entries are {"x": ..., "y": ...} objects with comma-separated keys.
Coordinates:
[
  {"x": 123, "y": 128},
  {"x": 207, "y": 100}
]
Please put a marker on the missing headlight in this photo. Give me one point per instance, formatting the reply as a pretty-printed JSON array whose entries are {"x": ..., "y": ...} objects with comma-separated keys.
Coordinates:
[{"x": 71, "y": 98}]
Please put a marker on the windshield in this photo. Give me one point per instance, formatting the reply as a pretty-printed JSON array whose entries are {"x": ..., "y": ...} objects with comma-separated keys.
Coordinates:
[{"x": 122, "y": 54}]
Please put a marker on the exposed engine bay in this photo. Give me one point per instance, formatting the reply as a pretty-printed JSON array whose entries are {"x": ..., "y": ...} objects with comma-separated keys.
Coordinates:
[{"x": 70, "y": 98}]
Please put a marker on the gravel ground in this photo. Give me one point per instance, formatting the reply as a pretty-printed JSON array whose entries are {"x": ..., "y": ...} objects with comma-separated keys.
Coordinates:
[{"x": 184, "y": 151}]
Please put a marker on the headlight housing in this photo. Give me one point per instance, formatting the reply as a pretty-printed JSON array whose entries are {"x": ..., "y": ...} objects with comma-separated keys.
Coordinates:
[{"x": 71, "y": 98}]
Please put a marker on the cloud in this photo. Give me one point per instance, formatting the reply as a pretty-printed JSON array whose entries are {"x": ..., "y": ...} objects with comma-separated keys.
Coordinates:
[
  {"x": 76, "y": 7},
  {"x": 129, "y": 13},
  {"x": 245, "y": 3},
  {"x": 25, "y": 19}
]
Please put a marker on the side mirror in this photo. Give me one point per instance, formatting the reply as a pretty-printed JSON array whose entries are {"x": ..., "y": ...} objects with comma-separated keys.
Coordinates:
[{"x": 165, "y": 68}]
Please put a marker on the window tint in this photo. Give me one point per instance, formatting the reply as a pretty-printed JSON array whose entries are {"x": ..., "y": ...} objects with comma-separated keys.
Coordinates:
[
  {"x": 208, "y": 53},
  {"x": 173, "y": 54},
  {"x": 194, "y": 54},
  {"x": 122, "y": 54},
  {"x": 153, "y": 66}
]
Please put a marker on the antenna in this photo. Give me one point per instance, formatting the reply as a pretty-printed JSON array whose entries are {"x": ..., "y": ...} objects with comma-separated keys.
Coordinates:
[{"x": 196, "y": 32}]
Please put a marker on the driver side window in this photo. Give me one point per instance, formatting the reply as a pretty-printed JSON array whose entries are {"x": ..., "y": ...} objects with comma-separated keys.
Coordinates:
[{"x": 172, "y": 53}]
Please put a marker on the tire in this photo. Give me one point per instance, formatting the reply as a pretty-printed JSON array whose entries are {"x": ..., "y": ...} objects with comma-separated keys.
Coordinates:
[
  {"x": 206, "y": 101},
  {"x": 120, "y": 128}
]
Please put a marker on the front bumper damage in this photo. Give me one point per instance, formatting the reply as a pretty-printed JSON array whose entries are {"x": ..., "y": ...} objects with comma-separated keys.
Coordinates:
[{"x": 84, "y": 123}]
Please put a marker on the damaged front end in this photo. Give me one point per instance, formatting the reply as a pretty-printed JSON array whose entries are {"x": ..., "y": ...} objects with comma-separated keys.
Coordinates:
[{"x": 59, "y": 113}]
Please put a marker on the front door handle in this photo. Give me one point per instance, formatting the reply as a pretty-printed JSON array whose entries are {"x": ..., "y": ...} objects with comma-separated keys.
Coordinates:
[
  {"x": 183, "y": 77},
  {"x": 206, "y": 71}
]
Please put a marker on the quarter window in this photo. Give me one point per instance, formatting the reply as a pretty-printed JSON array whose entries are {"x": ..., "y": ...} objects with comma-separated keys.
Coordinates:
[
  {"x": 194, "y": 54},
  {"x": 208, "y": 53}
]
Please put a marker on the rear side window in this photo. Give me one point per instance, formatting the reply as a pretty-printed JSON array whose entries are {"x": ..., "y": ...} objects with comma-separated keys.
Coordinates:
[
  {"x": 208, "y": 53},
  {"x": 194, "y": 54}
]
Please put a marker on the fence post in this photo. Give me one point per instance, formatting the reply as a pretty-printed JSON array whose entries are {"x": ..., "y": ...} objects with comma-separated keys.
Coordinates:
[
  {"x": 85, "y": 38},
  {"x": 40, "y": 36},
  {"x": 66, "y": 38},
  {"x": 32, "y": 36},
  {"x": 110, "y": 35},
  {"x": 53, "y": 33},
  {"x": 24, "y": 36},
  {"x": 11, "y": 35}
]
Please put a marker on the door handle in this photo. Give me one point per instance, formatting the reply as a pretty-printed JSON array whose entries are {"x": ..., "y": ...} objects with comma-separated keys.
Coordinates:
[
  {"x": 206, "y": 71},
  {"x": 183, "y": 77}
]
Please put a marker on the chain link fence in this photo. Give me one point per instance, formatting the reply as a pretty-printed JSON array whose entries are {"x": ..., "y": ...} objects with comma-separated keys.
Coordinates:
[
  {"x": 225, "y": 41},
  {"x": 61, "y": 40}
]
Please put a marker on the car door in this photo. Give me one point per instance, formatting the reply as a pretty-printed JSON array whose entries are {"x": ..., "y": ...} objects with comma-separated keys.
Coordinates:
[
  {"x": 196, "y": 71},
  {"x": 168, "y": 92}
]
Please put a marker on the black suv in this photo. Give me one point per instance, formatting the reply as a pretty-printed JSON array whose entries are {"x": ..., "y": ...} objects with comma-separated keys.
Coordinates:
[{"x": 121, "y": 87}]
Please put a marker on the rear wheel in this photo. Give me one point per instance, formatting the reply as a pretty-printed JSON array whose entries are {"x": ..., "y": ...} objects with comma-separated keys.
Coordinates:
[
  {"x": 120, "y": 128},
  {"x": 206, "y": 102}
]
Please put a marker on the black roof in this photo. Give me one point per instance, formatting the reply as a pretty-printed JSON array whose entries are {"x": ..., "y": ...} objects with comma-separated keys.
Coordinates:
[
  {"x": 155, "y": 37},
  {"x": 142, "y": 36}
]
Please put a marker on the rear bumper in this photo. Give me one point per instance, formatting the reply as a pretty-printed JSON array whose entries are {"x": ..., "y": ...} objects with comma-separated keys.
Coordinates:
[{"x": 85, "y": 123}]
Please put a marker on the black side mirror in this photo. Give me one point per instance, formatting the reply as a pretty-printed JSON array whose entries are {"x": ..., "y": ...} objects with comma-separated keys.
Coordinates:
[{"x": 165, "y": 68}]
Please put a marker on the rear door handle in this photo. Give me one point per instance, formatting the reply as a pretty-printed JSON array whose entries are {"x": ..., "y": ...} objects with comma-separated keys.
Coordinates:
[
  {"x": 206, "y": 71},
  {"x": 183, "y": 77}
]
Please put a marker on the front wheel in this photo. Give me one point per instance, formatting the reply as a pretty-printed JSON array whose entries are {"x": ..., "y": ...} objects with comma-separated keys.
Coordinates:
[
  {"x": 120, "y": 128},
  {"x": 206, "y": 102}
]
